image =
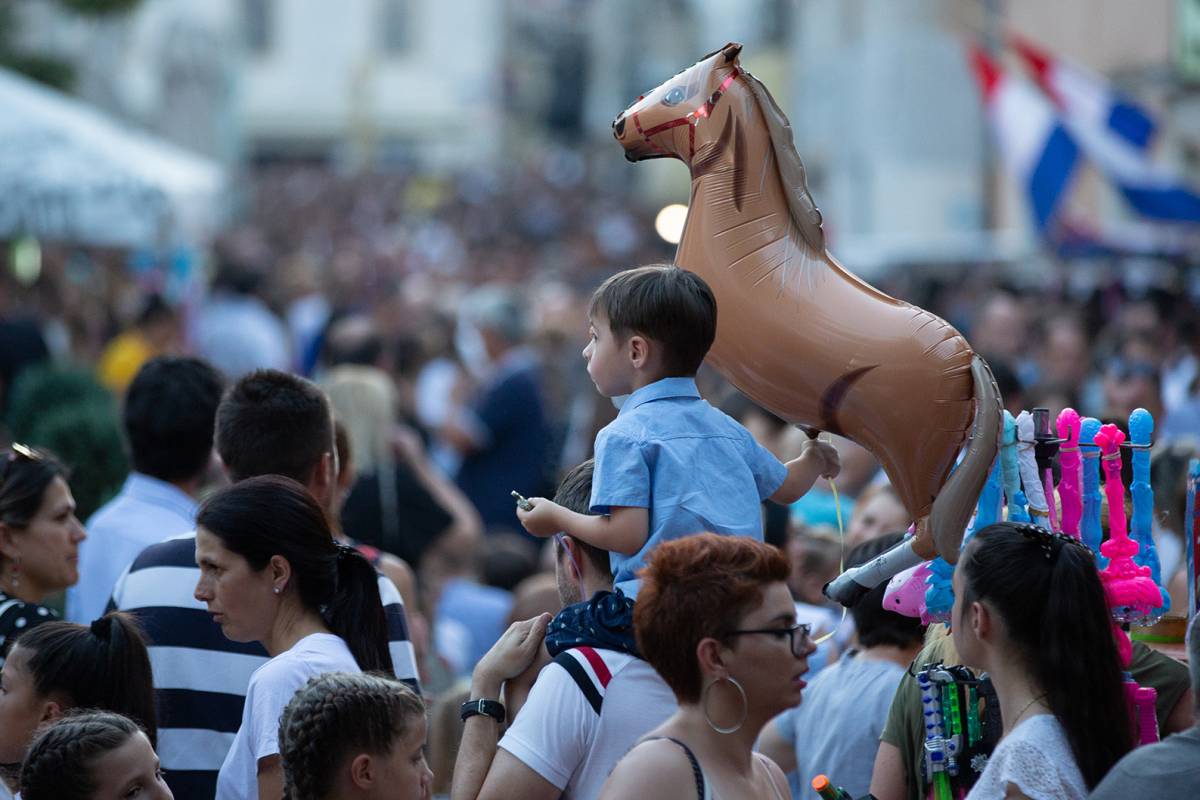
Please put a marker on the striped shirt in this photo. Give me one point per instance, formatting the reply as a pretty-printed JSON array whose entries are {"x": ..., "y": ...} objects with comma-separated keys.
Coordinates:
[{"x": 200, "y": 677}]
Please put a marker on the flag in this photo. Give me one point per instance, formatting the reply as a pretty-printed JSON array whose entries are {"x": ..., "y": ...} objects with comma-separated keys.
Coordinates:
[
  {"x": 1036, "y": 146},
  {"x": 1083, "y": 95},
  {"x": 1114, "y": 134}
]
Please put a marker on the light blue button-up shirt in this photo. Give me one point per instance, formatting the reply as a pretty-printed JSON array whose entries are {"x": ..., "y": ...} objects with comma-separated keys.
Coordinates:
[
  {"x": 146, "y": 511},
  {"x": 694, "y": 467}
]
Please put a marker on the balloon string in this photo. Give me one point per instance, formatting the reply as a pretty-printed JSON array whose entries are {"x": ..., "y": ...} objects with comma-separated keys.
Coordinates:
[{"x": 837, "y": 507}]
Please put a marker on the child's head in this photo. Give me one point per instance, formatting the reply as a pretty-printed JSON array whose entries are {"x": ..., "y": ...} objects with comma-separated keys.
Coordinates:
[
  {"x": 59, "y": 666},
  {"x": 661, "y": 321},
  {"x": 354, "y": 735},
  {"x": 89, "y": 755}
]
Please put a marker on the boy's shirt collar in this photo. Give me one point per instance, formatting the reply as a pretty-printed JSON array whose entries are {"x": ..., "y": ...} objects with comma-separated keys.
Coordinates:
[{"x": 659, "y": 390}]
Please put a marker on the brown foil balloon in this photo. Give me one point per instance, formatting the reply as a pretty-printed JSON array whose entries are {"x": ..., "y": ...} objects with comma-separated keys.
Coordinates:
[{"x": 796, "y": 331}]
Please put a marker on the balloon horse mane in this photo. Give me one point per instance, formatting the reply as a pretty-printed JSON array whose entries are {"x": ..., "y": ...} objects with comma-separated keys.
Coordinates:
[{"x": 796, "y": 331}]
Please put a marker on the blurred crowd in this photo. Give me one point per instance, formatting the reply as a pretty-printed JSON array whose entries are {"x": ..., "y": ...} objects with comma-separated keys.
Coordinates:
[{"x": 444, "y": 317}]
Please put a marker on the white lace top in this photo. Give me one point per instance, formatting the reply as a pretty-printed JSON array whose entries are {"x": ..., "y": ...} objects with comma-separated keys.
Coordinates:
[{"x": 1036, "y": 757}]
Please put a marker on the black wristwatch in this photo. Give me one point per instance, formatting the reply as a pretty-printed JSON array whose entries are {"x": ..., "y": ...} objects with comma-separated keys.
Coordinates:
[{"x": 481, "y": 707}]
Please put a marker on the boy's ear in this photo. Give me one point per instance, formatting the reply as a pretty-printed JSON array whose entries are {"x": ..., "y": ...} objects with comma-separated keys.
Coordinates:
[{"x": 638, "y": 348}]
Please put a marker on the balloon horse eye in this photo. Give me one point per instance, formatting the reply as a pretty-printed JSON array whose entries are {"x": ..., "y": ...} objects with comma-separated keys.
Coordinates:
[{"x": 675, "y": 96}]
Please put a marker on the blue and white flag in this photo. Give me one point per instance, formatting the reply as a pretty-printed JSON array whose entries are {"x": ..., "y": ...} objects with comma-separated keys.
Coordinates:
[
  {"x": 1114, "y": 134},
  {"x": 1036, "y": 146}
]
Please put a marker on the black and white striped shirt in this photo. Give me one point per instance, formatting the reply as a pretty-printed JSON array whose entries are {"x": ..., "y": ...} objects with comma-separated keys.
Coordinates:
[{"x": 200, "y": 677}]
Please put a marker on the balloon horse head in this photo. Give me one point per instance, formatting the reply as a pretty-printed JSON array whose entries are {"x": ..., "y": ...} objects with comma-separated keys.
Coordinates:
[{"x": 797, "y": 332}]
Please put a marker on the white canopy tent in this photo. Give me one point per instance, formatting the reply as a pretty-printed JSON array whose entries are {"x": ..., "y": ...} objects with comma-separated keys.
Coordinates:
[{"x": 70, "y": 173}]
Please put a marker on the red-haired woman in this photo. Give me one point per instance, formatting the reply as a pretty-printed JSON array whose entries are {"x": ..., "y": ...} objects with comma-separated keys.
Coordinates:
[{"x": 715, "y": 618}]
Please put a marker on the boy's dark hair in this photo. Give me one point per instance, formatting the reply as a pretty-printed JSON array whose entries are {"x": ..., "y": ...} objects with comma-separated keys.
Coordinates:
[
  {"x": 170, "y": 410},
  {"x": 875, "y": 624},
  {"x": 273, "y": 423},
  {"x": 575, "y": 494},
  {"x": 664, "y": 303}
]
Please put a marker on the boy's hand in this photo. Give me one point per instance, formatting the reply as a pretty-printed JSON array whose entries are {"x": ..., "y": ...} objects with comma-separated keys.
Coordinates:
[
  {"x": 823, "y": 454},
  {"x": 543, "y": 519}
]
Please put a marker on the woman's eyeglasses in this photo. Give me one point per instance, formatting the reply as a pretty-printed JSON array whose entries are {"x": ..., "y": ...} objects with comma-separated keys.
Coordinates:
[{"x": 799, "y": 642}]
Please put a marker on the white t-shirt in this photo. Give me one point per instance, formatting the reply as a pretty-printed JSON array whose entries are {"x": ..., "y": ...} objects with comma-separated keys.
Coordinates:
[
  {"x": 1036, "y": 757},
  {"x": 271, "y": 688},
  {"x": 559, "y": 735}
]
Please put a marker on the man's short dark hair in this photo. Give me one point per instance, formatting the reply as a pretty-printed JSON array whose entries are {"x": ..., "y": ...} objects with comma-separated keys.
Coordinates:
[
  {"x": 273, "y": 423},
  {"x": 575, "y": 494},
  {"x": 664, "y": 303},
  {"x": 875, "y": 624},
  {"x": 169, "y": 414}
]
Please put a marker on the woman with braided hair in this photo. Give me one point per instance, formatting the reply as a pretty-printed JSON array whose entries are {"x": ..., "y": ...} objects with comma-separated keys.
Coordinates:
[
  {"x": 271, "y": 572},
  {"x": 354, "y": 737},
  {"x": 92, "y": 755},
  {"x": 59, "y": 666}
]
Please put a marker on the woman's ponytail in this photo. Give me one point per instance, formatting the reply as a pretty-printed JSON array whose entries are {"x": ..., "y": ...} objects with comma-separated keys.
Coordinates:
[
  {"x": 1046, "y": 589},
  {"x": 101, "y": 666},
  {"x": 270, "y": 515},
  {"x": 1078, "y": 666},
  {"x": 356, "y": 612}
]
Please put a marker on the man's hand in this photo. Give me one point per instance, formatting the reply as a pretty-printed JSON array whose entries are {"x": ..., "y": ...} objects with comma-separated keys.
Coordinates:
[
  {"x": 511, "y": 655},
  {"x": 824, "y": 455},
  {"x": 543, "y": 520}
]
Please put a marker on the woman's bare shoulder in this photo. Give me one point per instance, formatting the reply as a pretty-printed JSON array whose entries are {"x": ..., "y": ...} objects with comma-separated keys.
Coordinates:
[{"x": 655, "y": 769}]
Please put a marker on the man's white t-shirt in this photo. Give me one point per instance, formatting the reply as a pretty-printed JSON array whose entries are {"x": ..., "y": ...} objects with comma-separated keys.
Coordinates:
[
  {"x": 271, "y": 688},
  {"x": 559, "y": 735}
]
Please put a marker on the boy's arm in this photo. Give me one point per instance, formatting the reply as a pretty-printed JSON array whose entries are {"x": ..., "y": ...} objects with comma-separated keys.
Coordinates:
[
  {"x": 817, "y": 460},
  {"x": 624, "y": 530}
]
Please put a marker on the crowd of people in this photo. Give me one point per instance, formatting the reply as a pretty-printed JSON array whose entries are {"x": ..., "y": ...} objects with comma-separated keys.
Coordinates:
[{"x": 314, "y": 581}]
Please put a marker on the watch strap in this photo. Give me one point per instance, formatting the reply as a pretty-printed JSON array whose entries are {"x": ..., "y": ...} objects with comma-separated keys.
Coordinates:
[{"x": 484, "y": 708}]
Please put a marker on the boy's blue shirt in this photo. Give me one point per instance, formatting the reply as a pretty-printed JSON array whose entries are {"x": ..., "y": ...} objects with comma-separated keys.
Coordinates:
[{"x": 694, "y": 467}]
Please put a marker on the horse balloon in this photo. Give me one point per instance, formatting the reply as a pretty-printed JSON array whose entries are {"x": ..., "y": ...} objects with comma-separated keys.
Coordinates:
[{"x": 800, "y": 334}]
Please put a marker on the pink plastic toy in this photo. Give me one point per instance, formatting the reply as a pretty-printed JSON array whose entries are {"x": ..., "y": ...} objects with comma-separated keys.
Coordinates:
[{"x": 1070, "y": 484}]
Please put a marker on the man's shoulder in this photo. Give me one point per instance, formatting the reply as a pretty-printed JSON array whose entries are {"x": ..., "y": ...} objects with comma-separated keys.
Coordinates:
[
  {"x": 1164, "y": 768},
  {"x": 591, "y": 671},
  {"x": 178, "y": 551},
  {"x": 1179, "y": 752}
]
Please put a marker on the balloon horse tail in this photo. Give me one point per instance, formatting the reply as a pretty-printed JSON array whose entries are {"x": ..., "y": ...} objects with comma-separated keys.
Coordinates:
[{"x": 951, "y": 508}]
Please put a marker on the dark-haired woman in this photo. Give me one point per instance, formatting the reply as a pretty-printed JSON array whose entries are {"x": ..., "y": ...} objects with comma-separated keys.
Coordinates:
[
  {"x": 39, "y": 539},
  {"x": 92, "y": 755},
  {"x": 354, "y": 737},
  {"x": 271, "y": 572},
  {"x": 715, "y": 618},
  {"x": 60, "y": 666},
  {"x": 1029, "y": 609}
]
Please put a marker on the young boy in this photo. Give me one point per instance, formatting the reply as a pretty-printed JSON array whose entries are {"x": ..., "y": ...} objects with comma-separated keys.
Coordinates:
[{"x": 670, "y": 464}]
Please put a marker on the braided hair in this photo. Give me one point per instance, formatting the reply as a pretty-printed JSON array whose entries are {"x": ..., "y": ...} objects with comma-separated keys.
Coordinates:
[
  {"x": 336, "y": 715},
  {"x": 58, "y": 764}
]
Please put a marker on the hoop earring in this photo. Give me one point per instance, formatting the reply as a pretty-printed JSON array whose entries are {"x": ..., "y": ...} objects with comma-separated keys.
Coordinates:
[{"x": 704, "y": 705}]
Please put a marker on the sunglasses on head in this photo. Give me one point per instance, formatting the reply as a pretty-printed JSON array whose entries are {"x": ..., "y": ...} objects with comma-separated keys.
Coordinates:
[{"x": 18, "y": 452}]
